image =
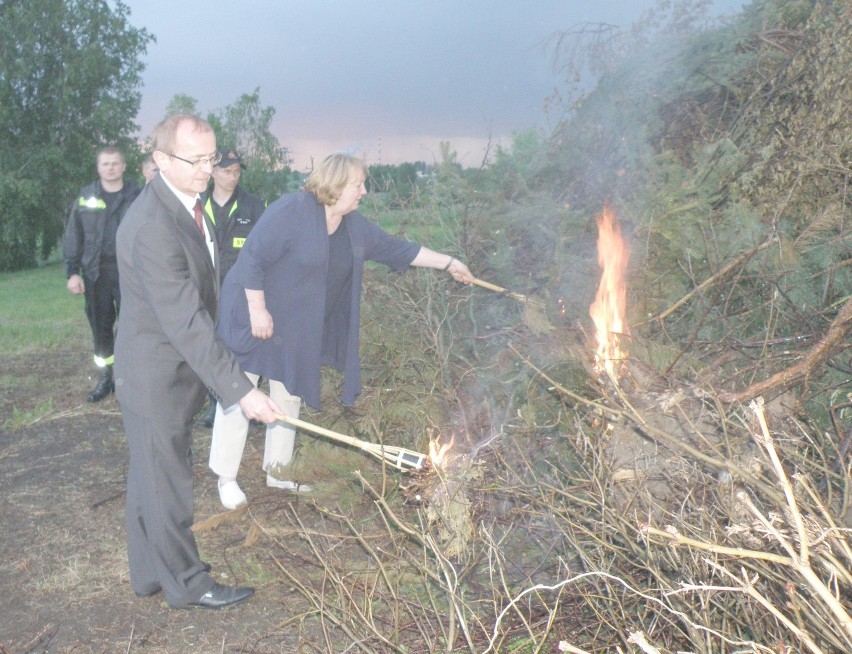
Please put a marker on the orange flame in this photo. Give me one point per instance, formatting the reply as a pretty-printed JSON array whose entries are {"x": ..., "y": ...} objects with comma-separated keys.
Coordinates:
[
  {"x": 608, "y": 309},
  {"x": 438, "y": 453}
]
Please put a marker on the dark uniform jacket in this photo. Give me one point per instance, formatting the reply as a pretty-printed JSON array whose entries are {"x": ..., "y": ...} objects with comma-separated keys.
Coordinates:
[
  {"x": 84, "y": 230},
  {"x": 286, "y": 256},
  {"x": 243, "y": 210}
]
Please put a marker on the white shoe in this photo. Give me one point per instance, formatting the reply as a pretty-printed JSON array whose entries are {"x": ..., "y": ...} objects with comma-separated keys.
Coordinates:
[
  {"x": 287, "y": 485},
  {"x": 231, "y": 495}
]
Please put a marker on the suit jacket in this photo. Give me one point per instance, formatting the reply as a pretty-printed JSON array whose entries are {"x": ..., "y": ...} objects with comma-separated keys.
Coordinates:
[{"x": 167, "y": 353}]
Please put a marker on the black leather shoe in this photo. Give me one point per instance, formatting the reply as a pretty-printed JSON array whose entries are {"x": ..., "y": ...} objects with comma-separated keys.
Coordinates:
[{"x": 221, "y": 596}]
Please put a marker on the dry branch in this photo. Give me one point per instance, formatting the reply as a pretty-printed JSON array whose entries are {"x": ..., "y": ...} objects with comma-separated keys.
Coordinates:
[
  {"x": 733, "y": 265},
  {"x": 818, "y": 353}
]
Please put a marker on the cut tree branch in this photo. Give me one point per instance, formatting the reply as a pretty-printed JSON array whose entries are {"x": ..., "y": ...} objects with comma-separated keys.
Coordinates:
[{"x": 818, "y": 353}]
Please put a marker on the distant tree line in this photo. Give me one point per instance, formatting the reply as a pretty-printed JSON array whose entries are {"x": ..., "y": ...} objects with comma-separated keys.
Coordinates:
[{"x": 400, "y": 182}]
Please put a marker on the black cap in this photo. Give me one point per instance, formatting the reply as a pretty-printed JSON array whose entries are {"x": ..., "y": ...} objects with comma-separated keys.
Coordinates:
[{"x": 230, "y": 157}]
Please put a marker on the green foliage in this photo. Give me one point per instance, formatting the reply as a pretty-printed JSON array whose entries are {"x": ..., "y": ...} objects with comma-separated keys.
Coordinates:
[
  {"x": 69, "y": 78},
  {"x": 246, "y": 126},
  {"x": 400, "y": 182},
  {"x": 798, "y": 136},
  {"x": 181, "y": 103}
]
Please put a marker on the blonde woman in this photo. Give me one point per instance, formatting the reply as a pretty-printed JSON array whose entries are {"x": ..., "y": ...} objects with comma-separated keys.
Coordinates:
[{"x": 291, "y": 304}]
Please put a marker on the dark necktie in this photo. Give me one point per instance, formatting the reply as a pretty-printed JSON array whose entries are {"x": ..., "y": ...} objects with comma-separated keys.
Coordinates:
[{"x": 198, "y": 218}]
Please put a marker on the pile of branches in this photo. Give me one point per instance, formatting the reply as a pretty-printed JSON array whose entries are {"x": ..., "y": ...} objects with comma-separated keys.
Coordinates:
[
  {"x": 577, "y": 512},
  {"x": 728, "y": 539}
]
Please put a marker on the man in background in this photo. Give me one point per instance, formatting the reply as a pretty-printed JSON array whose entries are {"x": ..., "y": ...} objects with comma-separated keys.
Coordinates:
[
  {"x": 233, "y": 211},
  {"x": 149, "y": 168},
  {"x": 90, "y": 261},
  {"x": 168, "y": 357}
]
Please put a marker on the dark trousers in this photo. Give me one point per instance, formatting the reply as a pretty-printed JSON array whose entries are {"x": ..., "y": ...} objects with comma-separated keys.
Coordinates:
[
  {"x": 103, "y": 301},
  {"x": 161, "y": 547}
]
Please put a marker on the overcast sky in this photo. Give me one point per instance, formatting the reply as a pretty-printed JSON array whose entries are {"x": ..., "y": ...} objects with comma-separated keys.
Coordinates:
[{"x": 388, "y": 78}]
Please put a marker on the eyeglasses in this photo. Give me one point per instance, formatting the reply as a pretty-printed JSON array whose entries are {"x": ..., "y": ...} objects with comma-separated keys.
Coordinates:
[{"x": 213, "y": 159}]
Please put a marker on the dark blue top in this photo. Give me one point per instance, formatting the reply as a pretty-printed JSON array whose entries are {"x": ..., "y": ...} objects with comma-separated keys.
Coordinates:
[{"x": 286, "y": 255}]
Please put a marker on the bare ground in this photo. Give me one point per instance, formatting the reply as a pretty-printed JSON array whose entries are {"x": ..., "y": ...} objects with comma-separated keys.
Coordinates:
[{"x": 63, "y": 574}]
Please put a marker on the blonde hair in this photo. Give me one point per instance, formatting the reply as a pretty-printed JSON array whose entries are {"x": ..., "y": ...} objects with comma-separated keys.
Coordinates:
[
  {"x": 163, "y": 136},
  {"x": 327, "y": 181}
]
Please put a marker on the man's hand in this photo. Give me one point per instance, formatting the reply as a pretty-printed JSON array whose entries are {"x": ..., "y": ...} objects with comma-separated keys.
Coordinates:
[
  {"x": 75, "y": 285},
  {"x": 257, "y": 405}
]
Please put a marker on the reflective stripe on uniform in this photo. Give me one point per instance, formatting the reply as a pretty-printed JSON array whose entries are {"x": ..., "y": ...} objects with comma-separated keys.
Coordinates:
[
  {"x": 91, "y": 203},
  {"x": 100, "y": 362},
  {"x": 208, "y": 209}
]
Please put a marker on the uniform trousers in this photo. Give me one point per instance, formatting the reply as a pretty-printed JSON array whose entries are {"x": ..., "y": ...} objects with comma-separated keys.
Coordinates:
[
  {"x": 230, "y": 429},
  {"x": 103, "y": 301},
  {"x": 161, "y": 548}
]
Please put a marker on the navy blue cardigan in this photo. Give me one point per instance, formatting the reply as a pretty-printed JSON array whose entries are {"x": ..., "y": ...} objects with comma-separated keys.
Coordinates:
[{"x": 286, "y": 256}]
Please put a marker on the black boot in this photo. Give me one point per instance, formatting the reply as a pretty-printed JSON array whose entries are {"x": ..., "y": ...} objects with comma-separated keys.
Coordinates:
[
  {"x": 105, "y": 385},
  {"x": 210, "y": 415}
]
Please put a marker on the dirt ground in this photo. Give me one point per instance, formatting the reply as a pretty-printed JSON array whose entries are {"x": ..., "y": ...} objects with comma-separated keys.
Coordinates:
[{"x": 63, "y": 573}]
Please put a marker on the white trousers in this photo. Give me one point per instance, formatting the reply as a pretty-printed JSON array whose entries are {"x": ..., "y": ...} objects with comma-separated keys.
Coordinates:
[{"x": 230, "y": 429}]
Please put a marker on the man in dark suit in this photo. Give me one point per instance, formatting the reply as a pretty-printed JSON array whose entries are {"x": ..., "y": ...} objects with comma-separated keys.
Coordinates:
[{"x": 167, "y": 357}]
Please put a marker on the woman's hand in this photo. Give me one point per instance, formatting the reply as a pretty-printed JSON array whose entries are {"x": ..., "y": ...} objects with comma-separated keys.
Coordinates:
[
  {"x": 460, "y": 272},
  {"x": 427, "y": 258},
  {"x": 261, "y": 323}
]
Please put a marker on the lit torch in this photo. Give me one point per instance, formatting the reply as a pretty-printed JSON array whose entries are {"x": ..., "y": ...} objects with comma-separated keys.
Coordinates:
[{"x": 608, "y": 309}]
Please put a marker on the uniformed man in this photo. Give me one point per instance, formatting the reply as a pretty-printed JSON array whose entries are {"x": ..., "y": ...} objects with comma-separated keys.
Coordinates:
[
  {"x": 89, "y": 252},
  {"x": 233, "y": 212}
]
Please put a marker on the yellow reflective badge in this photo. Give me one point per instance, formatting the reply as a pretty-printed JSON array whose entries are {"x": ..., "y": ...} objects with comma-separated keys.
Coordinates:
[
  {"x": 92, "y": 203},
  {"x": 239, "y": 242}
]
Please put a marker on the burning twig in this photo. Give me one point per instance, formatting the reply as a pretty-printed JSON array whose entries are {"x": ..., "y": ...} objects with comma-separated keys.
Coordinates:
[{"x": 399, "y": 457}]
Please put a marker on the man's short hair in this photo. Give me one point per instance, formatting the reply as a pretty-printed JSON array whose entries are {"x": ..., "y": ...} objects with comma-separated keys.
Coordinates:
[
  {"x": 109, "y": 149},
  {"x": 331, "y": 176},
  {"x": 163, "y": 136}
]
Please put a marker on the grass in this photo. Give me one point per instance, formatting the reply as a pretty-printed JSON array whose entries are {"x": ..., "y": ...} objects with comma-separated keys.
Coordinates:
[
  {"x": 21, "y": 419},
  {"x": 37, "y": 313},
  {"x": 422, "y": 224}
]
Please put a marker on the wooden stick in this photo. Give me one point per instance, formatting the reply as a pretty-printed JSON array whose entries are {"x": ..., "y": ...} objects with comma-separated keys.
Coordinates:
[
  {"x": 301, "y": 424},
  {"x": 399, "y": 457},
  {"x": 500, "y": 289}
]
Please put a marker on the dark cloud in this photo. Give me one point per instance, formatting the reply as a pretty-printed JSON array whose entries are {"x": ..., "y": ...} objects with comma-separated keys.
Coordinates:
[{"x": 340, "y": 72}]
